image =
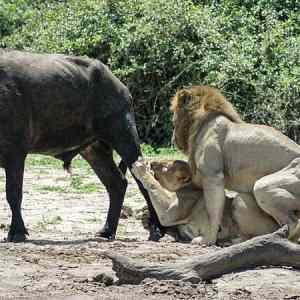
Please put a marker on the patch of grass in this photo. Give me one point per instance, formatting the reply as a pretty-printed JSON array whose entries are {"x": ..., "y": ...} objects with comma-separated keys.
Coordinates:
[
  {"x": 161, "y": 152},
  {"x": 42, "y": 225},
  {"x": 80, "y": 163},
  {"x": 55, "y": 220},
  {"x": 38, "y": 160},
  {"x": 51, "y": 188},
  {"x": 78, "y": 185},
  {"x": 76, "y": 182},
  {"x": 42, "y": 160}
]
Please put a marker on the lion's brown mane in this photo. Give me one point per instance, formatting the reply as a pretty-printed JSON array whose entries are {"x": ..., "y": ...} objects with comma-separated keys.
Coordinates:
[{"x": 193, "y": 106}]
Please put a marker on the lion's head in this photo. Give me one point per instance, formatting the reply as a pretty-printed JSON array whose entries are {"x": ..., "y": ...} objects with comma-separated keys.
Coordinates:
[{"x": 191, "y": 107}]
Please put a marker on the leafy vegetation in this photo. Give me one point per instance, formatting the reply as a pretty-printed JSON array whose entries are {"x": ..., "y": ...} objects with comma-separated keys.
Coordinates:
[{"x": 248, "y": 49}]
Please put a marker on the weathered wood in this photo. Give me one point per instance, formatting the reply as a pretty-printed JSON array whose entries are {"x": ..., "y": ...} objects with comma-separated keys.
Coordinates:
[{"x": 267, "y": 250}]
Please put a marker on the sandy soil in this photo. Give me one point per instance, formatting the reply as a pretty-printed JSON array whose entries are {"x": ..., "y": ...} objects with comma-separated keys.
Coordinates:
[{"x": 63, "y": 260}]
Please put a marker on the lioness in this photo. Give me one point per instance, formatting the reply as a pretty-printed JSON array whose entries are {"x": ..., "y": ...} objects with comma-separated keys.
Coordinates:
[
  {"x": 225, "y": 152},
  {"x": 180, "y": 205}
]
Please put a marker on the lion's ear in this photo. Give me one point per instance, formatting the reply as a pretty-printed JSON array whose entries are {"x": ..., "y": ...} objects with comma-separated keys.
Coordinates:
[{"x": 184, "y": 97}]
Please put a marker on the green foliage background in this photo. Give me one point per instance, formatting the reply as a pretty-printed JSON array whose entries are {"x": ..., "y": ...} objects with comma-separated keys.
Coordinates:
[{"x": 249, "y": 49}]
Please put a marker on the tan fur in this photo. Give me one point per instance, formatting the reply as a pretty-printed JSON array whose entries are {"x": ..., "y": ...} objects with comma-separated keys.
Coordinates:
[
  {"x": 175, "y": 176},
  {"x": 172, "y": 175},
  {"x": 225, "y": 152}
]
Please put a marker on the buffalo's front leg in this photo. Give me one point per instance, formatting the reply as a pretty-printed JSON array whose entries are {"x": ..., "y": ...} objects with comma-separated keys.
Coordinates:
[
  {"x": 100, "y": 158},
  {"x": 14, "y": 171},
  {"x": 156, "y": 230}
]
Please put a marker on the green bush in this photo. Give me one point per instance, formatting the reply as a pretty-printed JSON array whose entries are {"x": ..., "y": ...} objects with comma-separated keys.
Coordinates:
[{"x": 248, "y": 49}]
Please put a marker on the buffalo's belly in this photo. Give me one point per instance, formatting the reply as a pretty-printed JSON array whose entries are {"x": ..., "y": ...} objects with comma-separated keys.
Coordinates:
[{"x": 59, "y": 141}]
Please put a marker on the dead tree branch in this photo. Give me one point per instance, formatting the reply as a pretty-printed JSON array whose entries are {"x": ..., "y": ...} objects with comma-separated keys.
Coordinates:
[{"x": 267, "y": 250}]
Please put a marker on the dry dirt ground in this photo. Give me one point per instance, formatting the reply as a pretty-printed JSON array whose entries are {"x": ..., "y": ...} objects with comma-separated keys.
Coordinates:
[{"x": 63, "y": 260}]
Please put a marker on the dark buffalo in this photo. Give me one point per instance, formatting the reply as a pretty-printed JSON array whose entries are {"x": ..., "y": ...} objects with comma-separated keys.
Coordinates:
[{"x": 62, "y": 106}]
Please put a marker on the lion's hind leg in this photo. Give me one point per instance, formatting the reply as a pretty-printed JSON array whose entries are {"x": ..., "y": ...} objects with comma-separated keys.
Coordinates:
[{"x": 278, "y": 194}]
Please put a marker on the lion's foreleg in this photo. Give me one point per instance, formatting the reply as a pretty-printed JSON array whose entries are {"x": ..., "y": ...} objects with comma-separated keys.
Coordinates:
[{"x": 214, "y": 195}]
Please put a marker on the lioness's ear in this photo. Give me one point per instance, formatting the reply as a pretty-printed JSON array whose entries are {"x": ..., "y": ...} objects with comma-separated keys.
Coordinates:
[
  {"x": 183, "y": 178},
  {"x": 184, "y": 97}
]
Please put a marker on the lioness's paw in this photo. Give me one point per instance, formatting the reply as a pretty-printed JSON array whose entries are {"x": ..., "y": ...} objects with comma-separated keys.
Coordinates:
[{"x": 139, "y": 168}]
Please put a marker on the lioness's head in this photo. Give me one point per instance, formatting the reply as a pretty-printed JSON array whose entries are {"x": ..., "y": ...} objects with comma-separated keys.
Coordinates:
[
  {"x": 171, "y": 174},
  {"x": 190, "y": 106}
]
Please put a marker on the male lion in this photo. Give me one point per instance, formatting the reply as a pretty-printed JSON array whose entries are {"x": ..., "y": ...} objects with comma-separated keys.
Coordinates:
[
  {"x": 225, "y": 152},
  {"x": 180, "y": 205}
]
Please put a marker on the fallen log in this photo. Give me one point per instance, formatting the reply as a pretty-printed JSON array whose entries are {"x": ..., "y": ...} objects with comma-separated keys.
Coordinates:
[{"x": 268, "y": 250}]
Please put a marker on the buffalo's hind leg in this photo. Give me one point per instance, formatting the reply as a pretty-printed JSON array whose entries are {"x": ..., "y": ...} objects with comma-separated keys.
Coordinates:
[
  {"x": 100, "y": 158},
  {"x": 14, "y": 170}
]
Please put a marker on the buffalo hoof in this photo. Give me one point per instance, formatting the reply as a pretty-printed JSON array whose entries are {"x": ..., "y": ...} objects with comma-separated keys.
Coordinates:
[
  {"x": 155, "y": 233},
  {"x": 105, "y": 234},
  {"x": 16, "y": 237}
]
